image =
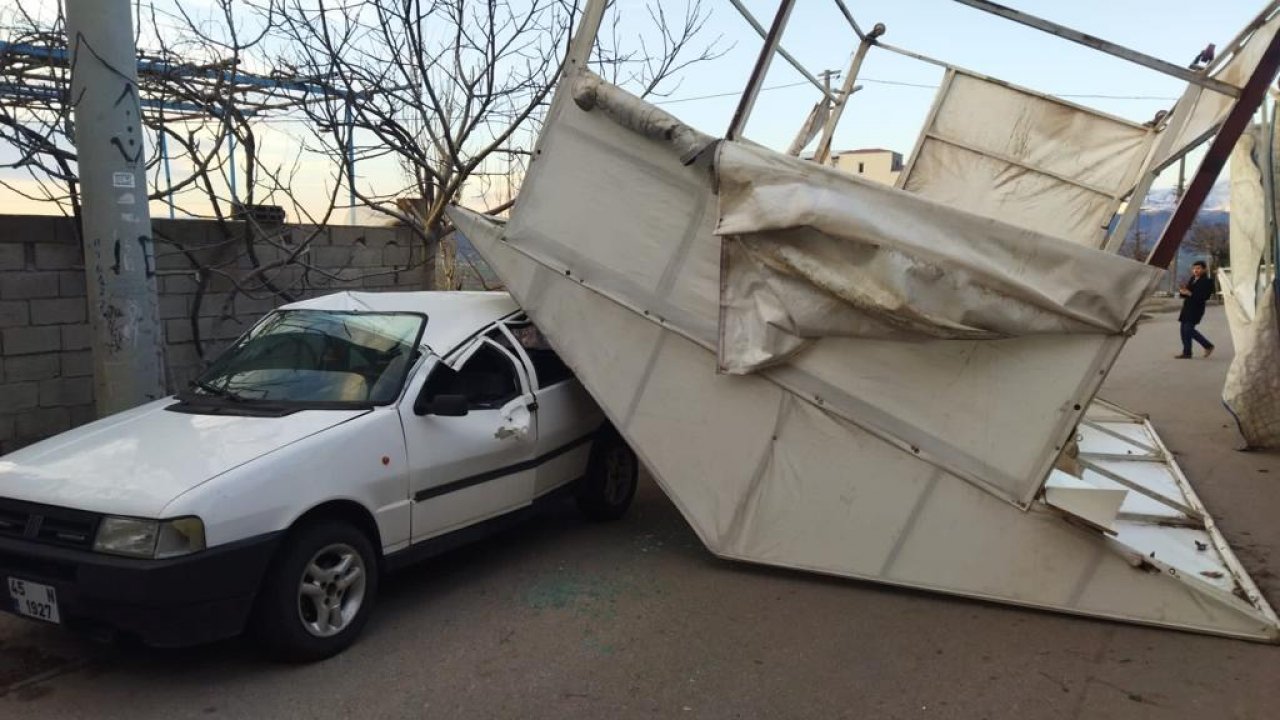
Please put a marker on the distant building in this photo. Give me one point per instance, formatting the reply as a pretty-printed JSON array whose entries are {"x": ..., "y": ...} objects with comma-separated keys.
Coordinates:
[{"x": 877, "y": 164}]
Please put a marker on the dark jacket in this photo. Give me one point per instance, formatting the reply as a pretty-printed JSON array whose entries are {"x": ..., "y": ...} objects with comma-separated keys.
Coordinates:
[{"x": 1193, "y": 304}]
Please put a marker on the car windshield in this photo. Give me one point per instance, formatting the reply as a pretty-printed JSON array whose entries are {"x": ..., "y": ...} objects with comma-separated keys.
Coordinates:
[{"x": 317, "y": 356}]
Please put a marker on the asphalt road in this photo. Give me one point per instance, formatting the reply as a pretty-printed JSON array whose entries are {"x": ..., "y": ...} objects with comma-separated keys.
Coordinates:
[{"x": 563, "y": 619}]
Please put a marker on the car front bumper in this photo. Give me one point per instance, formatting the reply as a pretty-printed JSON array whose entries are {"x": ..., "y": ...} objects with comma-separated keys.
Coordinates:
[{"x": 189, "y": 600}]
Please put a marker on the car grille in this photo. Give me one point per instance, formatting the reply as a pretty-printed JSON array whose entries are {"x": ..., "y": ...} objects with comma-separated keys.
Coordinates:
[
  {"x": 47, "y": 524},
  {"x": 36, "y": 568}
]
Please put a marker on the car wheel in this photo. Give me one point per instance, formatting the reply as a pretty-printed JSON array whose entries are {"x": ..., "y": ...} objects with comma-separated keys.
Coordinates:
[
  {"x": 318, "y": 594},
  {"x": 610, "y": 483}
]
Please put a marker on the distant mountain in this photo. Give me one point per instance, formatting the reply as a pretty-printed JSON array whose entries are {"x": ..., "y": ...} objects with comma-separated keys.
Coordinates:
[
  {"x": 1165, "y": 199},
  {"x": 1155, "y": 214}
]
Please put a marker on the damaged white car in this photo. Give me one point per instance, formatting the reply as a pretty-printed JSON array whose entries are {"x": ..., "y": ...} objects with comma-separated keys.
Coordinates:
[{"x": 338, "y": 438}]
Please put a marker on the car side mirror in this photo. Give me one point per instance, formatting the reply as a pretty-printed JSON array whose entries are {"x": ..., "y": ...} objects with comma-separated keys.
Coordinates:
[{"x": 444, "y": 405}]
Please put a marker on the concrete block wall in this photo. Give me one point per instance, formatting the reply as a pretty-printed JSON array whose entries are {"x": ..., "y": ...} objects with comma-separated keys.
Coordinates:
[
  {"x": 46, "y": 365},
  {"x": 46, "y": 368}
]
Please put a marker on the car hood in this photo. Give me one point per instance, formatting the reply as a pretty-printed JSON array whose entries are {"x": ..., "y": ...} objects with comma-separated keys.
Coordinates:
[{"x": 136, "y": 462}]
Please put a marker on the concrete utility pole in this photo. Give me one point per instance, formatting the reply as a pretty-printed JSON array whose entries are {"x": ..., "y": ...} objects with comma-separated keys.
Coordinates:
[{"x": 124, "y": 313}]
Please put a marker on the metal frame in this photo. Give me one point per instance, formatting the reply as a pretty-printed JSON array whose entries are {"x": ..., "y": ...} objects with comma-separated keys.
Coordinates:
[
  {"x": 584, "y": 39},
  {"x": 1149, "y": 450},
  {"x": 1215, "y": 159},
  {"x": 910, "y": 166},
  {"x": 1182, "y": 110},
  {"x": 1241, "y": 37},
  {"x": 748, "y": 101},
  {"x": 928, "y": 133},
  {"x": 1247, "y": 100},
  {"x": 1110, "y": 48},
  {"x": 844, "y": 10},
  {"x": 755, "y": 24},
  {"x": 1115, "y": 477},
  {"x": 1252, "y": 595},
  {"x": 823, "y": 152},
  {"x": 1249, "y": 616},
  {"x": 1135, "y": 177}
]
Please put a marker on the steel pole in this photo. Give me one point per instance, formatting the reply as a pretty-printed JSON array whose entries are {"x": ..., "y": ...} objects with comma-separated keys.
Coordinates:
[
  {"x": 119, "y": 258},
  {"x": 1266, "y": 151},
  {"x": 833, "y": 120},
  {"x": 1110, "y": 48},
  {"x": 748, "y": 100},
  {"x": 168, "y": 176},
  {"x": 351, "y": 163}
]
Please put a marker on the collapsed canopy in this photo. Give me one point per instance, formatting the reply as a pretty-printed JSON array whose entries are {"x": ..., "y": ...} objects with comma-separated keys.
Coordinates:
[{"x": 814, "y": 252}]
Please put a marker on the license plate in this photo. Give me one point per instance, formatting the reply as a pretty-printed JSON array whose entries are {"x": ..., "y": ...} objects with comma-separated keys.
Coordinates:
[{"x": 34, "y": 600}]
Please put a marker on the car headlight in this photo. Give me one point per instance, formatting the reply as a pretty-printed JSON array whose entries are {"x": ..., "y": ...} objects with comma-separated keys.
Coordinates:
[{"x": 158, "y": 539}]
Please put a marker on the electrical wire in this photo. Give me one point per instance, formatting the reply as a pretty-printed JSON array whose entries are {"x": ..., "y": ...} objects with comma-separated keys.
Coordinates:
[
  {"x": 900, "y": 83},
  {"x": 734, "y": 93}
]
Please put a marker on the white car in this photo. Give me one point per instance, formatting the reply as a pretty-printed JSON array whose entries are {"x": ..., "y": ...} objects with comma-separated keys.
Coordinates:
[{"x": 338, "y": 438}]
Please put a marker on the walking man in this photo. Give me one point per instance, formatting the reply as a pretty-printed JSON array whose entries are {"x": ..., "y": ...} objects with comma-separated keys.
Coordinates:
[{"x": 1194, "y": 296}]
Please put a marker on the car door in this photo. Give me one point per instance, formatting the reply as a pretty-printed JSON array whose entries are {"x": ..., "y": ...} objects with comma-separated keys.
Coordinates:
[
  {"x": 568, "y": 417},
  {"x": 465, "y": 469}
]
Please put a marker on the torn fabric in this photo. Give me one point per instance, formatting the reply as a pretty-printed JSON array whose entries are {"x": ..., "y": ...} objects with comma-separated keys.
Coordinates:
[
  {"x": 591, "y": 92},
  {"x": 1252, "y": 387},
  {"x": 812, "y": 252}
]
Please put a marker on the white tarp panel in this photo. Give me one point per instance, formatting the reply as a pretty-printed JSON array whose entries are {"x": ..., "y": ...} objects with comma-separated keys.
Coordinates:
[
  {"x": 619, "y": 211},
  {"x": 1033, "y": 161},
  {"x": 1247, "y": 222},
  {"x": 815, "y": 252},
  {"x": 1252, "y": 388},
  {"x": 764, "y": 476},
  {"x": 1210, "y": 108},
  {"x": 912, "y": 462}
]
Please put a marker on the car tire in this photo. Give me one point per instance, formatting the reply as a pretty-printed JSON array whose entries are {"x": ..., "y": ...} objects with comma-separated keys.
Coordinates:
[
  {"x": 613, "y": 470},
  {"x": 318, "y": 593}
]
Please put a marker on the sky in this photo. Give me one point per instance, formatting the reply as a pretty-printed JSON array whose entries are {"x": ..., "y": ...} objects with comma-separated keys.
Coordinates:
[
  {"x": 890, "y": 115},
  {"x": 897, "y": 92}
]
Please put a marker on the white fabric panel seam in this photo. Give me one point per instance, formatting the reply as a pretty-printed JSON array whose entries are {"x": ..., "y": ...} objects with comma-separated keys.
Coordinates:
[
  {"x": 909, "y": 524},
  {"x": 830, "y": 398},
  {"x": 643, "y": 383},
  {"x": 1087, "y": 575},
  {"x": 1095, "y": 189},
  {"x": 943, "y": 88},
  {"x": 749, "y": 502}
]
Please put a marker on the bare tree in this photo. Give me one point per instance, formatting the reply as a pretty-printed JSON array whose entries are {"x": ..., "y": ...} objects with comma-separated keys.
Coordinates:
[
  {"x": 1212, "y": 240},
  {"x": 454, "y": 90},
  {"x": 1138, "y": 245},
  {"x": 35, "y": 115},
  {"x": 451, "y": 93},
  {"x": 205, "y": 106}
]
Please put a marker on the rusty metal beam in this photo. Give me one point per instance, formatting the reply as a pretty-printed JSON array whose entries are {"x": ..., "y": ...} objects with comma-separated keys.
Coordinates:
[
  {"x": 1216, "y": 158},
  {"x": 1105, "y": 46},
  {"x": 748, "y": 100}
]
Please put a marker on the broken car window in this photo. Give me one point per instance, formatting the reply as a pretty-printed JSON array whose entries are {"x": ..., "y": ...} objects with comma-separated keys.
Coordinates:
[{"x": 317, "y": 356}]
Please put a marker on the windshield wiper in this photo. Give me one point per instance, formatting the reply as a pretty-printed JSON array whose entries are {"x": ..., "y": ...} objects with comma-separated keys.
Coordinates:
[{"x": 215, "y": 390}]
